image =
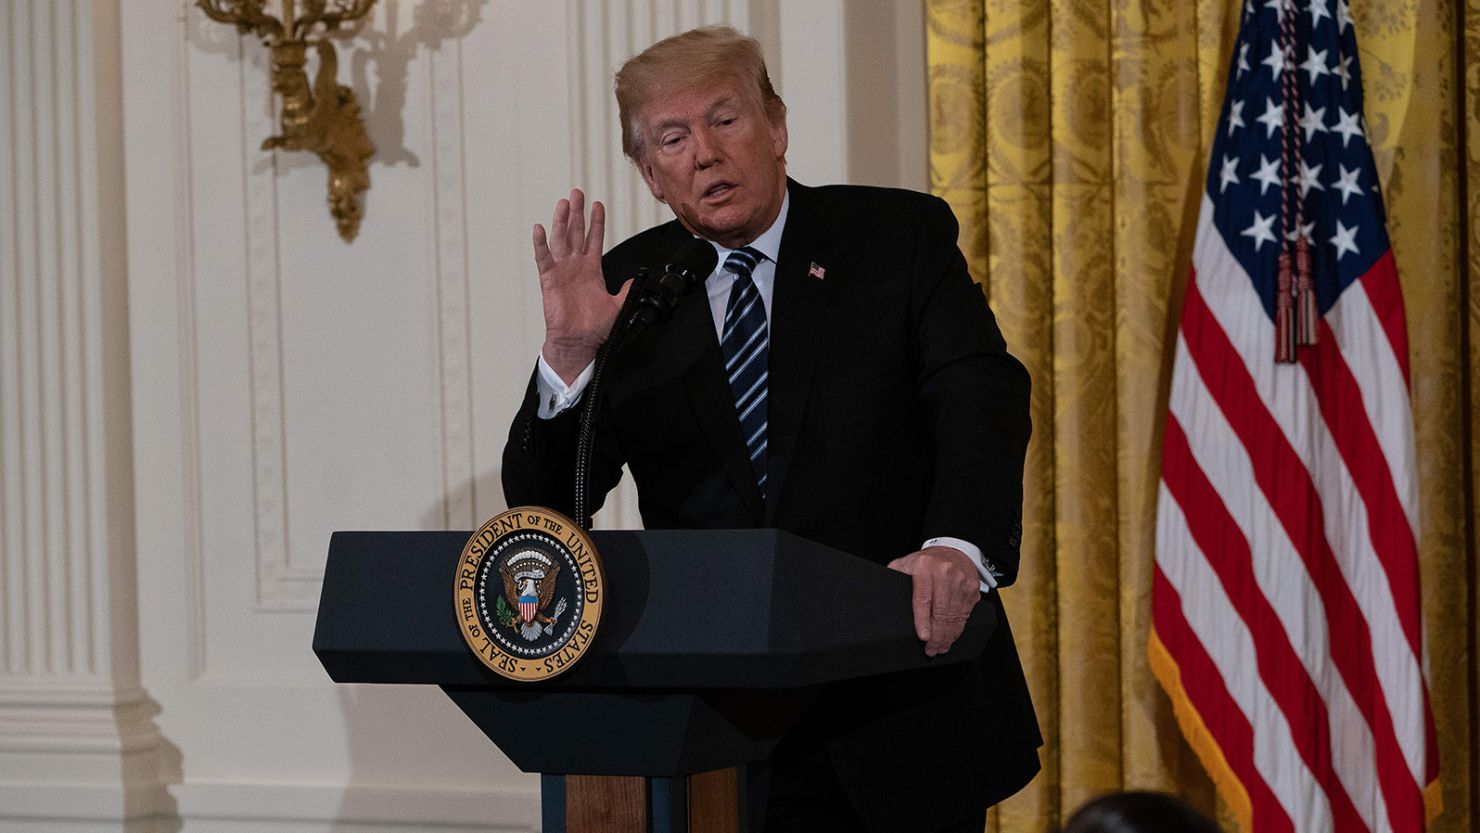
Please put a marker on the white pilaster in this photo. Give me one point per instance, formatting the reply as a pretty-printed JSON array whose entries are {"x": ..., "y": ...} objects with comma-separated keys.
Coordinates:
[
  {"x": 812, "y": 79},
  {"x": 852, "y": 73},
  {"x": 78, "y": 749}
]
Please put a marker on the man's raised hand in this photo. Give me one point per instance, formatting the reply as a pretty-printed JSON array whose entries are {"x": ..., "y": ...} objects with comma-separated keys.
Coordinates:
[{"x": 578, "y": 310}]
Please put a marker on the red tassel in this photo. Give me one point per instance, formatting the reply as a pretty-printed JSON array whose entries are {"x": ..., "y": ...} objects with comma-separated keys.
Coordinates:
[
  {"x": 1284, "y": 331},
  {"x": 1305, "y": 303}
]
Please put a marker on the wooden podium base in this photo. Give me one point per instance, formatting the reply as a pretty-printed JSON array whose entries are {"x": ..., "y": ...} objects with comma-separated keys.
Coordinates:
[{"x": 706, "y": 802}]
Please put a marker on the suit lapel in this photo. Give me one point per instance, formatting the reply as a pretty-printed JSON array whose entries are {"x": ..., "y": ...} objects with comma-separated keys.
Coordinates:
[
  {"x": 798, "y": 311},
  {"x": 708, "y": 392},
  {"x": 798, "y": 307}
]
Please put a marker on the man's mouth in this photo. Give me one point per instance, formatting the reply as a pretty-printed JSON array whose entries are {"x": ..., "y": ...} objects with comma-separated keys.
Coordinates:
[{"x": 719, "y": 190}]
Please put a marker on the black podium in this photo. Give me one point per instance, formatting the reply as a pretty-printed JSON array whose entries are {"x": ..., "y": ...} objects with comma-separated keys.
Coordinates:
[{"x": 711, "y": 645}]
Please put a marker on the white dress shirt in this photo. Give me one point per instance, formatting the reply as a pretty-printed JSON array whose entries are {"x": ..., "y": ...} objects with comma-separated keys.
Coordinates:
[{"x": 555, "y": 396}]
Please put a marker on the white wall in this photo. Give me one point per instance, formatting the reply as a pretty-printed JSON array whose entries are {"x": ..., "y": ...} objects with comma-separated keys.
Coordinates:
[{"x": 199, "y": 381}]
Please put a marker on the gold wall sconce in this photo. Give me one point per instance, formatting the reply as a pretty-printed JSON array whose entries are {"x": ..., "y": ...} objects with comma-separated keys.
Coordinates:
[{"x": 323, "y": 117}]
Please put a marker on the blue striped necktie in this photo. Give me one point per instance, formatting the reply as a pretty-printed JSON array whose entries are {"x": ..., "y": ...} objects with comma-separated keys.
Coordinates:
[{"x": 744, "y": 341}]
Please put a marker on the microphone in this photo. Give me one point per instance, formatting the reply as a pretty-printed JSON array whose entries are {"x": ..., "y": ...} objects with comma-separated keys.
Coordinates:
[
  {"x": 650, "y": 301},
  {"x": 659, "y": 294}
]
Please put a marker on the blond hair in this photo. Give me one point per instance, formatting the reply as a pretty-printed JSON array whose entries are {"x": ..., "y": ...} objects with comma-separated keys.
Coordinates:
[{"x": 696, "y": 57}]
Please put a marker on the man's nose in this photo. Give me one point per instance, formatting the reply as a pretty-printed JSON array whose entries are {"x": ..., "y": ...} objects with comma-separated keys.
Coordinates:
[{"x": 706, "y": 149}]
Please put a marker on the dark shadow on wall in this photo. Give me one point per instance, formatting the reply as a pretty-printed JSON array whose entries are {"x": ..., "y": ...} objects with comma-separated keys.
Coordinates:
[
  {"x": 369, "y": 48},
  {"x": 433, "y": 24},
  {"x": 155, "y": 769}
]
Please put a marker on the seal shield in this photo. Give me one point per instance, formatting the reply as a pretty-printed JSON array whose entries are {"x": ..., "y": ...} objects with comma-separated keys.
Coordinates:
[{"x": 528, "y": 593}]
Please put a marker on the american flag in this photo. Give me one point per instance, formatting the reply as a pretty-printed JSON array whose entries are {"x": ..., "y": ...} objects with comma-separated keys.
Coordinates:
[{"x": 1285, "y": 601}]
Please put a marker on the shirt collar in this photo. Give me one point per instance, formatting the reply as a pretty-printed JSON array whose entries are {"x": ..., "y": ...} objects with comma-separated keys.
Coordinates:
[{"x": 769, "y": 243}]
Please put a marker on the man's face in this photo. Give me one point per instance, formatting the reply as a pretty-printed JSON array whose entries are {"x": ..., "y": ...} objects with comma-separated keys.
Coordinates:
[{"x": 714, "y": 157}]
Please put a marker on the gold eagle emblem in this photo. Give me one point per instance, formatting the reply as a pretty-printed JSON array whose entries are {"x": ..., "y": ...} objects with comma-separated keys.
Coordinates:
[
  {"x": 529, "y": 590},
  {"x": 529, "y": 585}
]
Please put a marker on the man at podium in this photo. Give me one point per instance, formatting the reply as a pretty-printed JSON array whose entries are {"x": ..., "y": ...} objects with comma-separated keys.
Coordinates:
[{"x": 839, "y": 377}]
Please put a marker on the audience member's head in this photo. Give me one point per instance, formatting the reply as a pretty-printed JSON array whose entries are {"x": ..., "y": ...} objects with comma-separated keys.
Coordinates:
[{"x": 1139, "y": 812}]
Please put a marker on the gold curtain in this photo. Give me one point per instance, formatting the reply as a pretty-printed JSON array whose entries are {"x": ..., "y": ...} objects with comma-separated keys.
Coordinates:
[{"x": 1071, "y": 139}]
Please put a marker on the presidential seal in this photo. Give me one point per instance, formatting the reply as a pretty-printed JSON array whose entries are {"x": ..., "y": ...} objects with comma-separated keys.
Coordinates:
[{"x": 529, "y": 592}]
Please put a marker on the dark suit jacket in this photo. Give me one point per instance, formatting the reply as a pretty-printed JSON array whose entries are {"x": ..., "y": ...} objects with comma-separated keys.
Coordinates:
[{"x": 895, "y": 415}]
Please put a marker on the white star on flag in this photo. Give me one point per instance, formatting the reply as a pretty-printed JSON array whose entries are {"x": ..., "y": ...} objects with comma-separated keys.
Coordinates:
[
  {"x": 1261, "y": 231},
  {"x": 1305, "y": 231},
  {"x": 1276, "y": 59},
  {"x": 1313, "y": 121},
  {"x": 1268, "y": 173},
  {"x": 1308, "y": 178},
  {"x": 1228, "y": 174},
  {"x": 1317, "y": 9},
  {"x": 1345, "y": 240},
  {"x": 1243, "y": 60},
  {"x": 1344, "y": 70},
  {"x": 1343, "y": 16},
  {"x": 1315, "y": 63},
  {"x": 1346, "y": 183},
  {"x": 1273, "y": 118},
  {"x": 1235, "y": 115},
  {"x": 1347, "y": 126}
]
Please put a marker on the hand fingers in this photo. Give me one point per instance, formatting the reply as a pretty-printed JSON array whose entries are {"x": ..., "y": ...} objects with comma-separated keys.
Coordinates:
[
  {"x": 907, "y": 564},
  {"x": 560, "y": 229},
  {"x": 951, "y": 607},
  {"x": 543, "y": 261},
  {"x": 945, "y": 635},
  {"x": 940, "y": 600},
  {"x": 576, "y": 244},
  {"x": 945, "y": 626},
  {"x": 938, "y": 634},
  {"x": 920, "y": 601},
  {"x": 598, "y": 229}
]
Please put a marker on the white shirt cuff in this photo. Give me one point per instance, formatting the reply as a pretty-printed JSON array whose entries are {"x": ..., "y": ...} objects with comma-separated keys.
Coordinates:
[
  {"x": 555, "y": 396},
  {"x": 972, "y": 552}
]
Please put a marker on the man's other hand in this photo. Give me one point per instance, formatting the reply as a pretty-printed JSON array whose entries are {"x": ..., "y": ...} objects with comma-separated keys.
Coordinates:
[
  {"x": 578, "y": 310},
  {"x": 946, "y": 589}
]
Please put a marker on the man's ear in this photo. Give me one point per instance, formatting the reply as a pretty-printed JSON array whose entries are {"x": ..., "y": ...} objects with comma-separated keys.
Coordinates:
[
  {"x": 646, "y": 170},
  {"x": 779, "y": 138}
]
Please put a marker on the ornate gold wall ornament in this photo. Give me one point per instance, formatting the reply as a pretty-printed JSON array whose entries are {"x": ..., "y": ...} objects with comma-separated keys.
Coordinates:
[{"x": 323, "y": 117}]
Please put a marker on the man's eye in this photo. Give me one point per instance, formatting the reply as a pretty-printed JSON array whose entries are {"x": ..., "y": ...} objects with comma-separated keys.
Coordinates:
[
  {"x": 726, "y": 121},
  {"x": 672, "y": 140}
]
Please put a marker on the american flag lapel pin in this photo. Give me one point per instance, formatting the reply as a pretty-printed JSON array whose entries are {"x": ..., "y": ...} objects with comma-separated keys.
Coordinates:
[{"x": 815, "y": 271}]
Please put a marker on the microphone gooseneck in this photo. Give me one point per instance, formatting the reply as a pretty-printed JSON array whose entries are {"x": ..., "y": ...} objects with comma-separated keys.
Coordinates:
[{"x": 651, "y": 301}]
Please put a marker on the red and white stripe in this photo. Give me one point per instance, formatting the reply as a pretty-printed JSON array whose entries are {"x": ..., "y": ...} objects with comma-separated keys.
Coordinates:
[{"x": 1286, "y": 565}]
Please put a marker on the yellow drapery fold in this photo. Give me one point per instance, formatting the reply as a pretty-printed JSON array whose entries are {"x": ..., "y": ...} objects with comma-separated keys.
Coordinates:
[{"x": 1071, "y": 139}]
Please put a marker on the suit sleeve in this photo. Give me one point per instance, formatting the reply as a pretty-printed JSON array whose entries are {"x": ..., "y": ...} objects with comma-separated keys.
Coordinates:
[
  {"x": 540, "y": 457},
  {"x": 975, "y": 397}
]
